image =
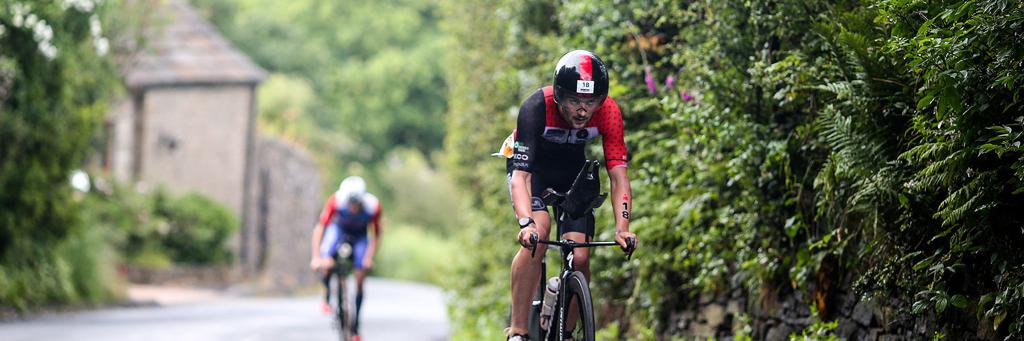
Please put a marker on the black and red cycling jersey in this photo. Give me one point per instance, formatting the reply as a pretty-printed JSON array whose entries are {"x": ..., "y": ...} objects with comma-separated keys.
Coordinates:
[{"x": 543, "y": 140}]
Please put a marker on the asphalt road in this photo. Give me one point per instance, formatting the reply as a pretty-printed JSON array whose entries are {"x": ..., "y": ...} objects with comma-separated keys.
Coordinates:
[{"x": 391, "y": 311}]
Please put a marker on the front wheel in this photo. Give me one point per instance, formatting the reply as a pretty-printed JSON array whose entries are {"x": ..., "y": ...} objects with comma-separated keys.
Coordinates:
[
  {"x": 577, "y": 295},
  {"x": 342, "y": 311}
]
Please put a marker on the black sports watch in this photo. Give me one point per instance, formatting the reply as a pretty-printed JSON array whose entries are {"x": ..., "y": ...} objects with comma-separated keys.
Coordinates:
[{"x": 525, "y": 221}]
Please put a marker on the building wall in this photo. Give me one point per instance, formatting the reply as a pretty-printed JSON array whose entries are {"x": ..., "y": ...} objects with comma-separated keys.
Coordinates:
[
  {"x": 284, "y": 203},
  {"x": 122, "y": 138},
  {"x": 194, "y": 138}
]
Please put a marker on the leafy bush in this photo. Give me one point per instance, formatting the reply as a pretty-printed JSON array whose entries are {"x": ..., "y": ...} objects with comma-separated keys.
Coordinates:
[
  {"x": 77, "y": 270},
  {"x": 418, "y": 194},
  {"x": 54, "y": 82},
  {"x": 795, "y": 142},
  {"x": 196, "y": 228},
  {"x": 413, "y": 253},
  {"x": 157, "y": 229}
]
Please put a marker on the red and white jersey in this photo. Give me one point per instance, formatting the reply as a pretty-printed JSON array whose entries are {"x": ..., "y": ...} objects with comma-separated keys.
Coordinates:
[{"x": 336, "y": 212}]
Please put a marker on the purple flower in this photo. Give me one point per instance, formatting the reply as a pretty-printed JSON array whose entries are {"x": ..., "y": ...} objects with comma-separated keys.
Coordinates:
[
  {"x": 686, "y": 96},
  {"x": 651, "y": 87},
  {"x": 670, "y": 82}
]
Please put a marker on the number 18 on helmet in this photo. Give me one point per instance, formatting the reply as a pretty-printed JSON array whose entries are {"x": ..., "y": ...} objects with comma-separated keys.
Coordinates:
[{"x": 582, "y": 75}]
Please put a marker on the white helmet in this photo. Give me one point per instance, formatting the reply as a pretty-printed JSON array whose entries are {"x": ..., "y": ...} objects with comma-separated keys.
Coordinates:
[{"x": 352, "y": 189}]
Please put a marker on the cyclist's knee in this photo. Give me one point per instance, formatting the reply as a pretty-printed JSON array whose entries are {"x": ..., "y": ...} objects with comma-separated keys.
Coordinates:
[{"x": 581, "y": 259}]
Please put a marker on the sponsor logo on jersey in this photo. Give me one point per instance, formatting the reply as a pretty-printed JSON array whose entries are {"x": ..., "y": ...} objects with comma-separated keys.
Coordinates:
[
  {"x": 521, "y": 148},
  {"x": 570, "y": 136},
  {"x": 582, "y": 134}
]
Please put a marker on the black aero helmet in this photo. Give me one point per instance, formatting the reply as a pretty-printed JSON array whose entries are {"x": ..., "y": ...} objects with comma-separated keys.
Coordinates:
[{"x": 580, "y": 73}]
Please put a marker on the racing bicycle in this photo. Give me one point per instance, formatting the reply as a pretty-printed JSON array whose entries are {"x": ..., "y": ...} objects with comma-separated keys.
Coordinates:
[
  {"x": 573, "y": 290},
  {"x": 341, "y": 309}
]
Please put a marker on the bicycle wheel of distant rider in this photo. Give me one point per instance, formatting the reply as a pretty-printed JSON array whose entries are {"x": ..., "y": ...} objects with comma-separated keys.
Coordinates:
[
  {"x": 578, "y": 294},
  {"x": 342, "y": 311}
]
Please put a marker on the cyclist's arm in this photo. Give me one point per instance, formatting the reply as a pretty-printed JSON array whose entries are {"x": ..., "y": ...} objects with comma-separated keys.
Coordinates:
[
  {"x": 318, "y": 231},
  {"x": 529, "y": 128},
  {"x": 375, "y": 241},
  {"x": 318, "y": 235},
  {"x": 622, "y": 197},
  {"x": 521, "y": 193},
  {"x": 615, "y": 154}
]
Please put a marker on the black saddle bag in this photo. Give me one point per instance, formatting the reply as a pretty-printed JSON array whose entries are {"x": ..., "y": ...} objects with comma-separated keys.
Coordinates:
[{"x": 585, "y": 194}]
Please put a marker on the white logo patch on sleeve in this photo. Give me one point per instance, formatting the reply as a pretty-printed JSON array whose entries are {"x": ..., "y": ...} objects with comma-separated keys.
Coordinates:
[{"x": 584, "y": 87}]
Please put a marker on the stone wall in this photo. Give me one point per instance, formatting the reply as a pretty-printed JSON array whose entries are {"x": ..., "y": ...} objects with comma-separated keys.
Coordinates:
[
  {"x": 774, "y": 317},
  {"x": 193, "y": 138},
  {"x": 285, "y": 201},
  {"x": 119, "y": 151}
]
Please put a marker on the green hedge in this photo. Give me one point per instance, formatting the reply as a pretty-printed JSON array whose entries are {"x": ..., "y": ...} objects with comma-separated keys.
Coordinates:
[
  {"x": 158, "y": 229},
  {"x": 801, "y": 146},
  {"x": 54, "y": 82}
]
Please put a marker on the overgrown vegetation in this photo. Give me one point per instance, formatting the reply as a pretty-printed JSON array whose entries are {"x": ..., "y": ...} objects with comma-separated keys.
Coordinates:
[
  {"x": 57, "y": 73},
  {"x": 798, "y": 146},
  {"x": 350, "y": 80},
  {"x": 46, "y": 256},
  {"x": 360, "y": 86},
  {"x": 159, "y": 229}
]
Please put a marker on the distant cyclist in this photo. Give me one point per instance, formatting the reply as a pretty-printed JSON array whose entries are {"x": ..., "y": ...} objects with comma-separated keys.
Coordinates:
[
  {"x": 346, "y": 217},
  {"x": 546, "y": 150}
]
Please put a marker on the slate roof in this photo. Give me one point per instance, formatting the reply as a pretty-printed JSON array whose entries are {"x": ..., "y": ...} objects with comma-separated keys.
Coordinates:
[{"x": 187, "y": 49}]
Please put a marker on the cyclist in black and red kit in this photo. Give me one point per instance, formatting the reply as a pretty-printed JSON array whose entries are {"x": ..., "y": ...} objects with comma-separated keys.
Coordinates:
[{"x": 547, "y": 151}]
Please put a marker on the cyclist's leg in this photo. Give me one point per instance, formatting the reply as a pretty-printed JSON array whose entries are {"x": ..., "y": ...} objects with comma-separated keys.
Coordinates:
[
  {"x": 579, "y": 230},
  {"x": 325, "y": 305},
  {"x": 328, "y": 249},
  {"x": 526, "y": 267},
  {"x": 358, "y": 253},
  {"x": 360, "y": 276}
]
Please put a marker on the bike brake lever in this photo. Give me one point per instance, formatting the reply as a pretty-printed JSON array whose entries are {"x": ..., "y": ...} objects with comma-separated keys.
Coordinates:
[
  {"x": 533, "y": 244},
  {"x": 631, "y": 244}
]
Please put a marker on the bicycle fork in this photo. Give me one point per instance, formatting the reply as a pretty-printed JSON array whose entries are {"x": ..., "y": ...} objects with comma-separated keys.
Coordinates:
[{"x": 561, "y": 306}]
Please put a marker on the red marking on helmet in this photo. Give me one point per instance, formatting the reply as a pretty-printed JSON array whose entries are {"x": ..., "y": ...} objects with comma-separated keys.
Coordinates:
[{"x": 586, "y": 68}]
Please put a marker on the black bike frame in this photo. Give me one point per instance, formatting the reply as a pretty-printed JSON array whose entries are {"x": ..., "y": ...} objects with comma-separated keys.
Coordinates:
[
  {"x": 562, "y": 302},
  {"x": 552, "y": 197},
  {"x": 340, "y": 271}
]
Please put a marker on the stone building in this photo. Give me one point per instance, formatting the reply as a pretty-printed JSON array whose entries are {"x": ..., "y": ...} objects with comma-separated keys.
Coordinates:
[{"x": 188, "y": 123}]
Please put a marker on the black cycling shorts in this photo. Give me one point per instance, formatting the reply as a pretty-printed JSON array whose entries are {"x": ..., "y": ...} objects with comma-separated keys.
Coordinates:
[{"x": 560, "y": 180}]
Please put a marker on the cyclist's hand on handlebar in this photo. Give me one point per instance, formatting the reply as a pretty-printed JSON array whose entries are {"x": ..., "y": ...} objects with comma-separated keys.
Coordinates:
[
  {"x": 321, "y": 264},
  {"x": 367, "y": 263},
  {"x": 626, "y": 240},
  {"x": 525, "y": 235}
]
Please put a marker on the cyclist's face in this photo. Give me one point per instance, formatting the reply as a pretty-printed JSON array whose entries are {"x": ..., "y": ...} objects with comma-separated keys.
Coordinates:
[
  {"x": 355, "y": 207},
  {"x": 577, "y": 111}
]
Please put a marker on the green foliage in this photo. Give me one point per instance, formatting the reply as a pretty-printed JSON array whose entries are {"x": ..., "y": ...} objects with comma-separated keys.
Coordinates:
[
  {"x": 495, "y": 59},
  {"x": 359, "y": 85},
  {"x": 158, "y": 229},
  {"x": 366, "y": 76},
  {"x": 878, "y": 139},
  {"x": 284, "y": 103},
  {"x": 76, "y": 270},
  {"x": 197, "y": 228},
  {"x": 413, "y": 253},
  {"x": 54, "y": 82},
  {"x": 422, "y": 195},
  {"x": 818, "y": 330}
]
